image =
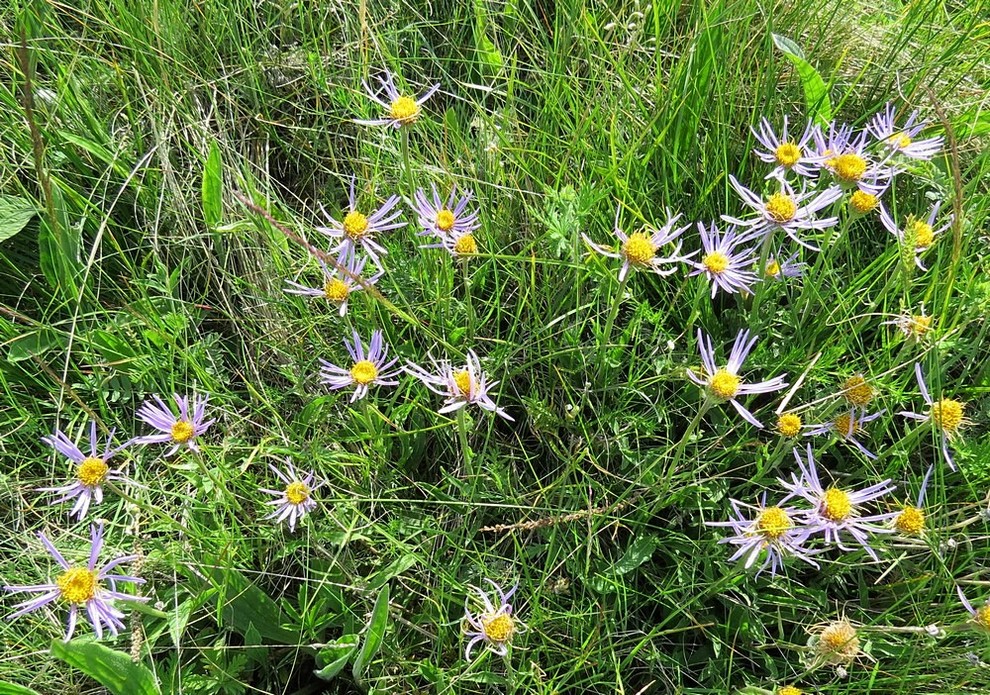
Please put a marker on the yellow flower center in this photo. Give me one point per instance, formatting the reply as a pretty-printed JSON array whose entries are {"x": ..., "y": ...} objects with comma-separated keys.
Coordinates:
[
  {"x": 789, "y": 424},
  {"x": 405, "y": 110},
  {"x": 336, "y": 290},
  {"x": 463, "y": 381},
  {"x": 781, "y": 207},
  {"x": 789, "y": 690},
  {"x": 911, "y": 521},
  {"x": 845, "y": 426},
  {"x": 857, "y": 391},
  {"x": 982, "y": 617},
  {"x": 899, "y": 140},
  {"x": 639, "y": 249},
  {"x": 77, "y": 585},
  {"x": 92, "y": 471},
  {"x": 947, "y": 414},
  {"x": 923, "y": 234},
  {"x": 918, "y": 325},
  {"x": 364, "y": 372},
  {"x": 787, "y": 154},
  {"x": 863, "y": 202},
  {"x": 182, "y": 431},
  {"x": 297, "y": 492},
  {"x": 498, "y": 629},
  {"x": 848, "y": 167},
  {"x": 716, "y": 262},
  {"x": 773, "y": 522},
  {"x": 355, "y": 224},
  {"x": 838, "y": 642},
  {"x": 773, "y": 269},
  {"x": 445, "y": 220},
  {"x": 466, "y": 246},
  {"x": 835, "y": 505},
  {"x": 723, "y": 385}
]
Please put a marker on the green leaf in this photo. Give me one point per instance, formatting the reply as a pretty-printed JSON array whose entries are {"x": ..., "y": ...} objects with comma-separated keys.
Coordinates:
[
  {"x": 244, "y": 604},
  {"x": 33, "y": 344},
  {"x": 638, "y": 552},
  {"x": 376, "y": 632},
  {"x": 15, "y": 213},
  {"x": 213, "y": 187},
  {"x": 12, "y": 689},
  {"x": 335, "y": 655},
  {"x": 815, "y": 92},
  {"x": 113, "y": 669}
]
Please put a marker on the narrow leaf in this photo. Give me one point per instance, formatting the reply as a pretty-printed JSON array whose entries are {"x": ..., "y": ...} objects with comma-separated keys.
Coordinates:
[
  {"x": 374, "y": 635},
  {"x": 15, "y": 213},
  {"x": 815, "y": 92},
  {"x": 213, "y": 187},
  {"x": 113, "y": 669},
  {"x": 12, "y": 689}
]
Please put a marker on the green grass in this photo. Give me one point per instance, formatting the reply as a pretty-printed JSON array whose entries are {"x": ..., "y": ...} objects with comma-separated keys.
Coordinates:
[{"x": 595, "y": 498}]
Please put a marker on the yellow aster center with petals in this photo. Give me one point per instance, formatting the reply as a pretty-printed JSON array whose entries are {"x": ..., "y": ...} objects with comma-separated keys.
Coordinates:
[
  {"x": 182, "y": 431},
  {"x": 92, "y": 471},
  {"x": 723, "y": 385},
  {"x": 336, "y": 290},
  {"x": 355, "y": 224},
  {"x": 789, "y": 424},
  {"x": 835, "y": 505},
  {"x": 716, "y": 262},
  {"x": 466, "y": 246},
  {"x": 918, "y": 325},
  {"x": 639, "y": 249},
  {"x": 464, "y": 381},
  {"x": 773, "y": 522},
  {"x": 857, "y": 391},
  {"x": 911, "y": 521},
  {"x": 845, "y": 426},
  {"x": 947, "y": 414},
  {"x": 982, "y": 617},
  {"x": 297, "y": 492},
  {"x": 922, "y": 233},
  {"x": 899, "y": 140},
  {"x": 781, "y": 207},
  {"x": 445, "y": 220},
  {"x": 364, "y": 372},
  {"x": 789, "y": 690},
  {"x": 77, "y": 585},
  {"x": 404, "y": 109},
  {"x": 773, "y": 269},
  {"x": 787, "y": 154},
  {"x": 863, "y": 202},
  {"x": 498, "y": 629},
  {"x": 848, "y": 167},
  {"x": 838, "y": 642}
]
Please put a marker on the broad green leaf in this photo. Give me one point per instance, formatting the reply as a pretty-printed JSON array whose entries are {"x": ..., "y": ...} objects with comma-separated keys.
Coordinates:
[
  {"x": 393, "y": 570},
  {"x": 15, "y": 213},
  {"x": 815, "y": 92},
  {"x": 638, "y": 552},
  {"x": 244, "y": 605},
  {"x": 33, "y": 344},
  {"x": 113, "y": 669},
  {"x": 336, "y": 655},
  {"x": 12, "y": 689},
  {"x": 213, "y": 187},
  {"x": 374, "y": 635}
]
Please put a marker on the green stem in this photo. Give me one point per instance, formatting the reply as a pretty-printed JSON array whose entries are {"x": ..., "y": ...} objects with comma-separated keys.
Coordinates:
[
  {"x": 761, "y": 274},
  {"x": 609, "y": 323},
  {"x": 462, "y": 434},
  {"x": 406, "y": 164},
  {"x": 468, "y": 304}
]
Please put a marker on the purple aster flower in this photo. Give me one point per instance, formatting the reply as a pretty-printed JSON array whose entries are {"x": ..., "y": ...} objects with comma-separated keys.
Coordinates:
[
  {"x": 179, "y": 430},
  {"x": 945, "y": 415},
  {"x": 358, "y": 229},
  {"x": 402, "y": 110},
  {"x": 981, "y": 615},
  {"x": 727, "y": 267},
  {"x": 338, "y": 282},
  {"x": 640, "y": 249},
  {"x": 902, "y": 139},
  {"x": 296, "y": 500},
  {"x": 91, "y": 470},
  {"x": 786, "y": 210},
  {"x": 786, "y": 153},
  {"x": 723, "y": 383},
  {"x": 918, "y": 235},
  {"x": 369, "y": 369},
  {"x": 846, "y": 158},
  {"x": 442, "y": 219},
  {"x": 836, "y": 511},
  {"x": 772, "y": 529},
  {"x": 82, "y": 586},
  {"x": 494, "y": 624},
  {"x": 462, "y": 386},
  {"x": 847, "y": 426},
  {"x": 788, "y": 268},
  {"x": 459, "y": 244}
]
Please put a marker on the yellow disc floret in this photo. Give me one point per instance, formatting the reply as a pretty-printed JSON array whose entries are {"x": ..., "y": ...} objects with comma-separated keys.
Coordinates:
[
  {"x": 918, "y": 325},
  {"x": 445, "y": 220},
  {"x": 716, "y": 262},
  {"x": 848, "y": 167},
  {"x": 789, "y": 690},
  {"x": 789, "y": 424},
  {"x": 835, "y": 505},
  {"x": 336, "y": 290},
  {"x": 787, "y": 154},
  {"x": 355, "y": 224},
  {"x": 77, "y": 585},
  {"x": 639, "y": 249},
  {"x": 498, "y": 628},
  {"x": 846, "y": 426},
  {"x": 405, "y": 110},
  {"x": 857, "y": 391},
  {"x": 466, "y": 245},
  {"x": 862, "y": 202},
  {"x": 92, "y": 471},
  {"x": 297, "y": 492},
  {"x": 910, "y": 521},
  {"x": 899, "y": 140},
  {"x": 182, "y": 431},
  {"x": 723, "y": 385},
  {"x": 922, "y": 233},
  {"x": 838, "y": 642},
  {"x": 772, "y": 523},
  {"x": 773, "y": 269},
  {"x": 464, "y": 381},
  {"x": 947, "y": 415},
  {"x": 364, "y": 372},
  {"x": 982, "y": 617},
  {"x": 781, "y": 207}
]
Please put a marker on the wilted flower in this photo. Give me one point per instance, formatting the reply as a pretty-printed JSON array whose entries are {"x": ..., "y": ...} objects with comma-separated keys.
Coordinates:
[
  {"x": 461, "y": 386},
  {"x": 495, "y": 625},
  {"x": 402, "y": 110},
  {"x": 835, "y": 643},
  {"x": 368, "y": 369},
  {"x": 786, "y": 153},
  {"x": 181, "y": 430},
  {"x": 786, "y": 210},
  {"x": 783, "y": 269},
  {"x": 981, "y": 615},
  {"x": 82, "y": 586},
  {"x": 296, "y": 500},
  {"x": 916, "y": 327},
  {"x": 723, "y": 383},
  {"x": 442, "y": 219},
  {"x": 918, "y": 235},
  {"x": 337, "y": 284},
  {"x": 946, "y": 415},
  {"x": 846, "y": 158},
  {"x": 910, "y": 521},
  {"x": 846, "y": 427},
  {"x": 901, "y": 139},
  {"x": 639, "y": 249},
  {"x": 358, "y": 229},
  {"x": 725, "y": 265},
  {"x": 857, "y": 391}
]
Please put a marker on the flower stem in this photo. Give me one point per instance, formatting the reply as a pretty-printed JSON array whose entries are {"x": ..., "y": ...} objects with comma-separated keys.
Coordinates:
[
  {"x": 406, "y": 164},
  {"x": 609, "y": 323},
  {"x": 468, "y": 304},
  {"x": 462, "y": 434},
  {"x": 761, "y": 273}
]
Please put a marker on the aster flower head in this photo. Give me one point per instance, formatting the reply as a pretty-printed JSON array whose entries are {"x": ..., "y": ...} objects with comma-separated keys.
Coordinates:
[
  {"x": 442, "y": 218},
  {"x": 92, "y": 470},
  {"x": 338, "y": 282},
  {"x": 727, "y": 267},
  {"x": 789, "y": 424},
  {"x": 402, "y": 109},
  {"x": 641, "y": 249},
  {"x": 946, "y": 416},
  {"x": 835, "y": 511},
  {"x": 495, "y": 624},
  {"x": 771, "y": 529},
  {"x": 179, "y": 430},
  {"x": 902, "y": 139},
  {"x": 84, "y": 587},
  {"x": 980, "y": 616},
  {"x": 788, "y": 690},
  {"x": 460, "y": 386},
  {"x": 915, "y": 327},
  {"x": 359, "y": 230},
  {"x": 857, "y": 391},
  {"x": 917, "y": 235},
  {"x": 369, "y": 368},
  {"x": 848, "y": 427},
  {"x": 723, "y": 384},
  {"x": 862, "y": 203},
  {"x": 459, "y": 244},
  {"x": 786, "y": 209},
  {"x": 780, "y": 268},
  {"x": 911, "y": 520},
  {"x": 846, "y": 158},
  {"x": 835, "y": 643},
  {"x": 294, "y": 501},
  {"x": 786, "y": 153}
]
